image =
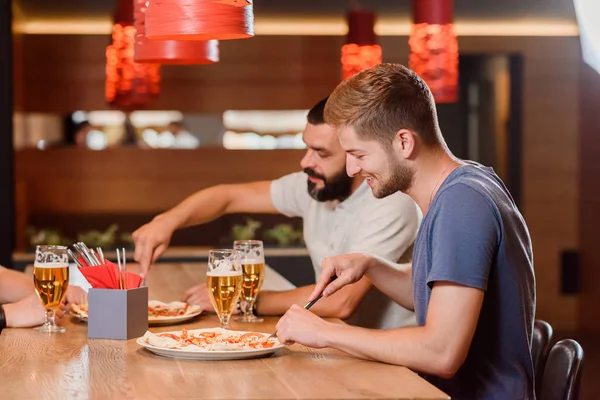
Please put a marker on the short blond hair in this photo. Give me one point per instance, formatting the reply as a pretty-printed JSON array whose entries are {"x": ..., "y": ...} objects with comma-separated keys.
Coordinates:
[{"x": 380, "y": 101}]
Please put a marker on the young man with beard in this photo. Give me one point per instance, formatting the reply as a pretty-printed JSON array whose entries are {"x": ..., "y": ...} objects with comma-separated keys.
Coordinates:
[
  {"x": 472, "y": 284},
  {"x": 340, "y": 215}
]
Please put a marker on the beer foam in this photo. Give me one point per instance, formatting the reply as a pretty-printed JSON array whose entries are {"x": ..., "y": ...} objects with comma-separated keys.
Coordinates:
[
  {"x": 223, "y": 268},
  {"x": 226, "y": 273},
  {"x": 50, "y": 265}
]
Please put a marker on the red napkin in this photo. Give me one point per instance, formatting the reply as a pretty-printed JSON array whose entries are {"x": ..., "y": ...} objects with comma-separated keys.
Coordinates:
[{"x": 106, "y": 276}]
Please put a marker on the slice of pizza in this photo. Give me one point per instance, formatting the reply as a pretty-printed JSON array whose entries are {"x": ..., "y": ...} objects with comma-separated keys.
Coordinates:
[
  {"x": 158, "y": 309},
  {"x": 80, "y": 309}
]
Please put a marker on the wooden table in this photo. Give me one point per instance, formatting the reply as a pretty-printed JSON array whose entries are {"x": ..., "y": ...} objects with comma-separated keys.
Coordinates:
[{"x": 71, "y": 366}]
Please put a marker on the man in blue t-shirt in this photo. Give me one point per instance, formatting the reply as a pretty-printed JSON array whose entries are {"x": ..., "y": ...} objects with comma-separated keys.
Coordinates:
[{"x": 471, "y": 284}]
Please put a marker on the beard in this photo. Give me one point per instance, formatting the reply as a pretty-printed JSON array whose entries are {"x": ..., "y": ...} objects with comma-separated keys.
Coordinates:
[
  {"x": 337, "y": 187},
  {"x": 400, "y": 179}
]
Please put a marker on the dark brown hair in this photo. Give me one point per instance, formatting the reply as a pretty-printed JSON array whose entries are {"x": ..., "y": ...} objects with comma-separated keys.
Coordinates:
[{"x": 315, "y": 115}]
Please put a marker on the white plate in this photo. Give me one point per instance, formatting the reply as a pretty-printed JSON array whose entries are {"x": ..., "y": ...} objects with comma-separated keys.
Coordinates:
[
  {"x": 208, "y": 355},
  {"x": 78, "y": 316},
  {"x": 172, "y": 320},
  {"x": 156, "y": 321}
]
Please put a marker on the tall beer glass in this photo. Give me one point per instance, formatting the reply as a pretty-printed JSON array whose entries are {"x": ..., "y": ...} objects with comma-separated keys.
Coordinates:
[
  {"x": 51, "y": 279},
  {"x": 224, "y": 282},
  {"x": 252, "y": 257}
]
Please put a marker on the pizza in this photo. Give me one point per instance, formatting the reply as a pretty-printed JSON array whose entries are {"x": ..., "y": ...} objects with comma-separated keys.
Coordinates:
[
  {"x": 157, "y": 310},
  {"x": 210, "y": 340},
  {"x": 81, "y": 310}
]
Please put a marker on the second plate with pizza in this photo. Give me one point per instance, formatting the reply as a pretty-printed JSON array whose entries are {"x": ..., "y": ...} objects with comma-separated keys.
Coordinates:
[{"x": 159, "y": 313}]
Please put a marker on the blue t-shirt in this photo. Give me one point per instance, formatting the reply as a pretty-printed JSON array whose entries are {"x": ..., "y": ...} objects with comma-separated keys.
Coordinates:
[{"x": 474, "y": 235}]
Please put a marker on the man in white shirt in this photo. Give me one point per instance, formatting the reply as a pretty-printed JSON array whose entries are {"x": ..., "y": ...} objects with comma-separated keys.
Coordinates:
[{"x": 340, "y": 216}]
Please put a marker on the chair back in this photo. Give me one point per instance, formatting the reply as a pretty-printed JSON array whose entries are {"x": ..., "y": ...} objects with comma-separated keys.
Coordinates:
[
  {"x": 540, "y": 347},
  {"x": 562, "y": 374}
]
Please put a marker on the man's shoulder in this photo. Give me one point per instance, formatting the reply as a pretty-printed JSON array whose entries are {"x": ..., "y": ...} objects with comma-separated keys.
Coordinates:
[
  {"x": 290, "y": 182},
  {"x": 474, "y": 185}
]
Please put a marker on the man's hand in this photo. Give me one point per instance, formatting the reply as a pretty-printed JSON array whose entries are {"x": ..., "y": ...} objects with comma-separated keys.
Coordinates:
[
  {"x": 198, "y": 295},
  {"x": 75, "y": 295},
  {"x": 29, "y": 312},
  {"x": 302, "y": 326},
  {"x": 349, "y": 268},
  {"x": 151, "y": 240}
]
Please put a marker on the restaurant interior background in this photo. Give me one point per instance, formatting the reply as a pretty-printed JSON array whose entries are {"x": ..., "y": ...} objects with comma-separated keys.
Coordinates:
[{"x": 528, "y": 106}]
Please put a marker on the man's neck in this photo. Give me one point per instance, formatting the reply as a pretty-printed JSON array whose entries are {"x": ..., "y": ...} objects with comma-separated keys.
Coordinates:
[{"x": 433, "y": 169}]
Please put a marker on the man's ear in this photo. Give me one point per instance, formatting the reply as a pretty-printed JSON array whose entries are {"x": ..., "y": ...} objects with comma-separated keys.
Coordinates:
[{"x": 404, "y": 143}]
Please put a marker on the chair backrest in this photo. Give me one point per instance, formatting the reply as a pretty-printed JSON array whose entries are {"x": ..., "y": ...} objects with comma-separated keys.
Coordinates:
[
  {"x": 562, "y": 375},
  {"x": 540, "y": 347}
]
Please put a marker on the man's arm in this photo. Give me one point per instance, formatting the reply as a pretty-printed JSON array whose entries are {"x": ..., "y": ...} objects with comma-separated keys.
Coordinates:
[
  {"x": 393, "y": 280},
  {"x": 14, "y": 286},
  {"x": 439, "y": 347},
  {"x": 209, "y": 204},
  {"x": 340, "y": 305},
  {"x": 152, "y": 239}
]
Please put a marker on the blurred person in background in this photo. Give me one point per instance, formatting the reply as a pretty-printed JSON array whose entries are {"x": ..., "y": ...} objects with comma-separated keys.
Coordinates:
[{"x": 182, "y": 138}]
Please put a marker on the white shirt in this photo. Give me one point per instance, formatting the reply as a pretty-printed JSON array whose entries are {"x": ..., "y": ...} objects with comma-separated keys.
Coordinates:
[
  {"x": 185, "y": 140},
  {"x": 362, "y": 223}
]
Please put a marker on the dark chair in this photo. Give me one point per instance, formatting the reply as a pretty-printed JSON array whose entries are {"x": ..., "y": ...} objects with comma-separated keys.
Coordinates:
[
  {"x": 562, "y": 374},
  {"x": 540, "y": 347}
]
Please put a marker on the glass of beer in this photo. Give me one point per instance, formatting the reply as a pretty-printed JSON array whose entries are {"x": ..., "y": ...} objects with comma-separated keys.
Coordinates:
[
  {"x": 224, "y": 282},
  {"x": 252, "y": 257},
  {"x": 51, "y": 279}
]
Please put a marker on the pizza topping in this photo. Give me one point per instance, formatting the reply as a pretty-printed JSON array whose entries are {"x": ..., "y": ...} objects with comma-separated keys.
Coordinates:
[{"x": 218, "y": 340}]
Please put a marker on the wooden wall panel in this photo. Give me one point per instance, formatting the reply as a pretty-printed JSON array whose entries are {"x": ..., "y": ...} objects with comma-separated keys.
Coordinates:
[
  {"x": 135, "y": 181},
  {"x": 266, "y": 72},
  {"x": 67, "y": 73}
]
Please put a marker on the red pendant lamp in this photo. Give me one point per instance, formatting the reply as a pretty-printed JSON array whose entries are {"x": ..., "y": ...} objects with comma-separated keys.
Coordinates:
[
  {"x": 174, "y": 52},
  {"x": 361, "y": 49},
  {"x": 199, "y": 19},
  {"x": 129, "y": 85},
  {"x": 434, "y": 48}
]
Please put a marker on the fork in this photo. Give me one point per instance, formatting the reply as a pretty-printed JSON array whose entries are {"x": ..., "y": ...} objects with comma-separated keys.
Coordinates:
[{"x": 307, "y": 306}]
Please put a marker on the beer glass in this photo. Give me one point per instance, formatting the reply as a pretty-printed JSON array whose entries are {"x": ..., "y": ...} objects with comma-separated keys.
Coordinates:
[
  {"x": 51, "y": 279},
  {"x": 252, "y": 257},
  {"x": 224, "y": 282}
]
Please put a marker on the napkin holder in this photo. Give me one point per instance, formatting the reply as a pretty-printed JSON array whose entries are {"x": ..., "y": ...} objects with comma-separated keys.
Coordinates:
[{"x": 117, "y": 314}]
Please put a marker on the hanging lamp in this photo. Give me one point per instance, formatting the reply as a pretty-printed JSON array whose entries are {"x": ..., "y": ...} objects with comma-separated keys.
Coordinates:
[
  {"x": 361, "y": 49},
  {"x": 129, "y": 85},
  {"x": 199, "y": 19},
  {"x": 434, "y": 48},
  {"x": 176, "y": 52}
]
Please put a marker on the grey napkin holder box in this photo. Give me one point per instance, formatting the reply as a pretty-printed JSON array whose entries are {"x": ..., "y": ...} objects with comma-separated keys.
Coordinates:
[{"x": 117, "y": 314}]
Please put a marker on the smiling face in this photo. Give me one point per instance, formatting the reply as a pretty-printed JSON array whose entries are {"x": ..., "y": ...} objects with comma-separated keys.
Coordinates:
[
  {"x": 325, "y": 164},
  {"x": 385, "y": 170}
]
